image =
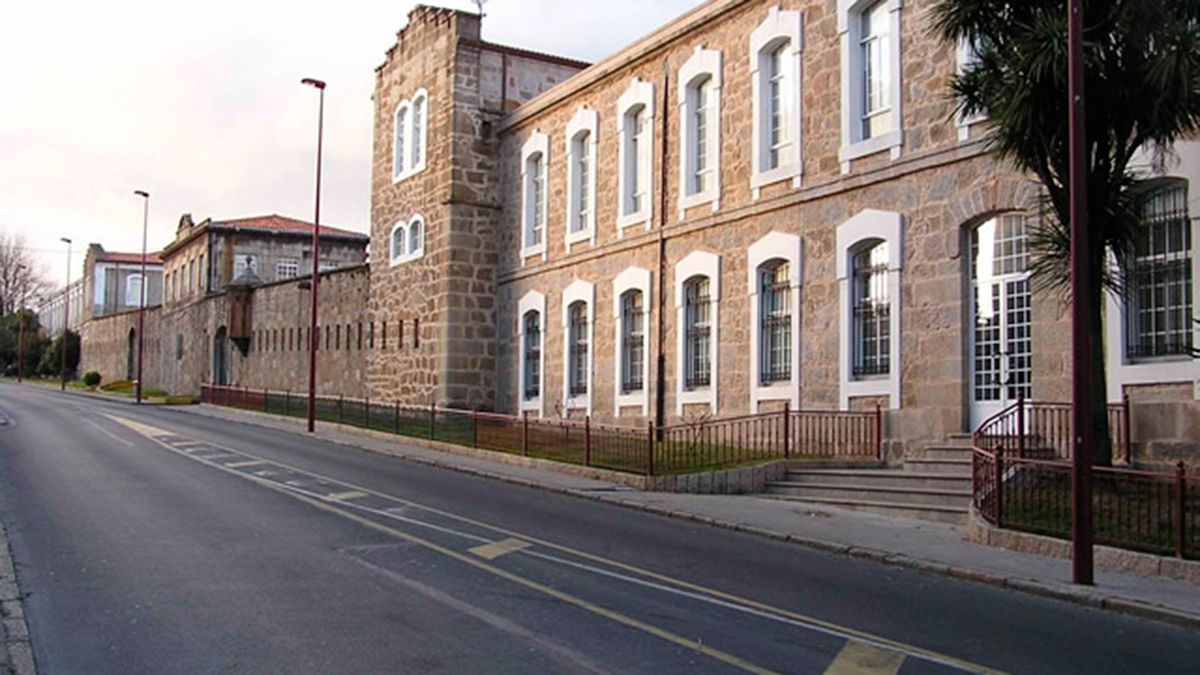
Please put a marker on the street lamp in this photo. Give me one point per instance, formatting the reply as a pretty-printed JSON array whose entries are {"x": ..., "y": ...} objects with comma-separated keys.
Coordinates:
[
  {"x": 142, "y": 291},
  {"x": 21, "y": 325},
  {"x": 62, "y": 345},
  {"x": 316, "y": 256}
]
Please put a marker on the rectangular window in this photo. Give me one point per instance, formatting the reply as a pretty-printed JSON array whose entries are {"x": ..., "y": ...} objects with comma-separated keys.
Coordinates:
[
  {"x": 702, "y": 95},
  {"x": 775, "y": 315},
  {"x": 633, "y": 342},
  {"x": 778, "y": 92},
  {"x": 875, "y": 50},
  {"x": 872, "y": 313},
  {"x": 697, "y": 309},
  {"x": 577, "y": 375},
  {"x": 533, "y": 355},
  {"x": 1158, "y": 277},
  {"x": 241, "y": 262},
  {"x": 582, "y": 182},
  {"x": 635, "y": 184},
  {"x": 416, "y": 333},
  {"x": 287, "y": 269},
  {"x": 535, "y": 192}
]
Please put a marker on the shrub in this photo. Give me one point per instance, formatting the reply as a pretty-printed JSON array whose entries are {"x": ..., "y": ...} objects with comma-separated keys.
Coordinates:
[{"x": 91, "y": 378}]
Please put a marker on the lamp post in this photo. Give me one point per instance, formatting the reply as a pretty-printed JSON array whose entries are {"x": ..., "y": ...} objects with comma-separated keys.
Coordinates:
[
  {"x": 316, "y": 256},
  {"x": 62, "y": 345},
  {"x": 1081, "y": 346},
  {"x": 21, "y": 326},
  {"x": 142, "y": 291}
]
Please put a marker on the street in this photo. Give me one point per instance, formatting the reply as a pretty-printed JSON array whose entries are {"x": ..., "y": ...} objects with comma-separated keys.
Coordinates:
[{"x": 152, "y": 540}]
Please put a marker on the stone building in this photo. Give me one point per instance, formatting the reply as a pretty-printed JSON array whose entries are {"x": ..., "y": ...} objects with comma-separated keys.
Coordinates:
[
  {"x": 113, "y": 281},
  {"x": 775, "y": 198}
]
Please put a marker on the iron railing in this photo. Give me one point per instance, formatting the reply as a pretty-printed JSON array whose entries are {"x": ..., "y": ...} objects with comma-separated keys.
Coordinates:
[
  {"x": 1040, "y": 430},
  {"x": 1139, "y": 510},
  {"x": 686, "y": 447}
]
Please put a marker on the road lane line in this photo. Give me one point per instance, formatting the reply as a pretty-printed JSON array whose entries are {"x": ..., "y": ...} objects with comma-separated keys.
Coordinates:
[
  {"x": 243, "y": 465},
  {"x": 500, "y": 548},
  {"x": 343, "y": 496},
  {"x": 106, "y": 432},
  {"x": 857, "y": 658},
  {"x": 698, "y": 591}
]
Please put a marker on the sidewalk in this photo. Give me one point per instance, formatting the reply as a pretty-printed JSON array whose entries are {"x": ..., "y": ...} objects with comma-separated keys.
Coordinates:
[
  {"x": 16, "y": 654},
  {"x": 929, "y": 547}
]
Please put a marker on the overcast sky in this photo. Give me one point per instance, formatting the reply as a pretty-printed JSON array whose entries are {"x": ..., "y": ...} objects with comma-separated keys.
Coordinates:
[{"x": 200, "y": 104}]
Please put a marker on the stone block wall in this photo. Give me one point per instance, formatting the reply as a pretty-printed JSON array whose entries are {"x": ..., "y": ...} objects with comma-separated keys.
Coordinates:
[{"x": 109, "y": 347}]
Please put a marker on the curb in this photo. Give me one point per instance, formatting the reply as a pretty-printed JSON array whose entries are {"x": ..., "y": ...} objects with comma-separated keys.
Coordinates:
[
  {"x": 16, "y": 652},
  {"x": 1083, "y": 598}
]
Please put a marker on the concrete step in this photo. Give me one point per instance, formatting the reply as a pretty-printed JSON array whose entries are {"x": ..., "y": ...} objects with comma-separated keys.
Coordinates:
[
  {"x": 958, "y": 466},
  {"x": 890, "y": 478},
  {"x": 944, "y": 452},
  {"x": 941, "y": 514},
  {"x": 874, "y": 493}
]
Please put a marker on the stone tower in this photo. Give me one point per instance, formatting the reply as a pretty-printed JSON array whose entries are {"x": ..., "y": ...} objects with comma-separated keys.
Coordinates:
[{"x": 435, "y": 205}]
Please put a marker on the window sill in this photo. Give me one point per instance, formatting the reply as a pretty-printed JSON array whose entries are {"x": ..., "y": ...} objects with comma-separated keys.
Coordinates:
[
  {"x": 892, "y": 141},
  {"x": 532, "y": 405},
  {"x": 578, "y": 402},
  {"x": 640, "y": 218},
  {"x": 531, "y": 251},
  {"x": 697, "y": 395},
  {"x": 634, "y": 399},
  {"x": 699, "y": 199},
  {"x": 406, "y": 174},
  {"x": 761, "y": 179},
  {"x": 587, "y": 235},
  {"x": 964, "y": 126}
]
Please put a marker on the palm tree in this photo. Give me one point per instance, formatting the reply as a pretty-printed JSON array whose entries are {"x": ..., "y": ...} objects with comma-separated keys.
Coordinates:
[{"x": 1142, "y": 86}]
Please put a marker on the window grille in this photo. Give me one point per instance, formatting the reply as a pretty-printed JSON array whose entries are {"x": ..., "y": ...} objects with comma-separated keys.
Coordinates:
[
  {"x": 533, "y": 355},
  {"x": 697, "y": 308},
  {"x": 633, "y": 342},
  {"x": 872, "y": 313},
  {"x": 775, "y": 316},
  {"x": 577, "y": 375},
  {"x": 1158, "y": 277}
]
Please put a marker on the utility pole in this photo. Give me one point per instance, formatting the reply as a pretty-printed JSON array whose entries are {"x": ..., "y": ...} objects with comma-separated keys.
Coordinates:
[
  {"x": 21, "y": 325},
  {"x": 316, "y": 270},
  {"x": 142, "y": 294},
  {"x": 1081, "y": 358},
  {"x": 62, "y": 344}
]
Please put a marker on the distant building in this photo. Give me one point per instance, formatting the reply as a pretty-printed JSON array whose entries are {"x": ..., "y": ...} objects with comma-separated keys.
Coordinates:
[
  {"x": 114, "y": 281},
  {"x": 54, "y": 308}
]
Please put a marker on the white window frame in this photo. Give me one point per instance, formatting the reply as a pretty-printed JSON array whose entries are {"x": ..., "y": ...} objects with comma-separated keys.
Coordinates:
[
  {"x": 639, "y": 93},
  {"x": 404, "y": 164},
  {"x": 129, "y": 280},
  {"x": 704, "y": 264},
  {"x": 535, "y": 302},
  {"x": 289, "y": 264},
  {"x": 778, "y": 28},
  {"x": 787, "y": 248},
  {"x": 537, "y": 143},
  {"x": 632, "y": 279},
  {"x": 587, "y": 122},
  {"x": 703, "y": 63},
  {"x": 887, "y": 227},
  {"x": 397, "y": 255},
  {"x": 965, "y": 55},
  {"x": 578, "y": 291},
  {"x": 416, "y": 224},
  {"x": 1123, "y": 371},
  {"x": 244, "y": 259},
  {"x": 850, "y": 28}
]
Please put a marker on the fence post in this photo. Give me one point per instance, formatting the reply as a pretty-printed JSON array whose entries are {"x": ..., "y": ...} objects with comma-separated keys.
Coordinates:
[
  {"x": 587, "y": 440},
  {"x": 878, "y": 432},
  {"x": 341, "y": 404},
  {"x": 287, "y": 402},
  {"x": 1126, "y": 429},
  {"x": 432, "y": 420},
  {"x": 396, "y": 418},
  {"x": 367, "y": 412},
  {"x": 474, "y": 429},
  {"x": 650, "y": 448},
  {"x": 524, "y": 433},
  {"x": 1021, "y": 427},
  {"x": 999, "y": 487},
  {"x": 787, "y": 437},
  {"x": 1180, "y": 510}
]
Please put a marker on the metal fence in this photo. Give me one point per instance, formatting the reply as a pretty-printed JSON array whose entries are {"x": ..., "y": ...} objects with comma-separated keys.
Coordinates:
[
  {"x": 1041, "y": 430},
  {"x": 1140, "y": 510},
  {"x": 686, "y": 447}
]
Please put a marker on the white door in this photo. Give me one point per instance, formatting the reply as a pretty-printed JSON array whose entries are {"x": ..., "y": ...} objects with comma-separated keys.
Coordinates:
[{"x": 1001, "y": 333}]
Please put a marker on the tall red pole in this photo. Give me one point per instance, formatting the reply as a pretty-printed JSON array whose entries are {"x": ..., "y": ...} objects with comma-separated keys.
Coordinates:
[
  {"x": 1081, "y": 358},
  {"x": 316, "y": 270},
  {"x": 142, "y": 293},
  {"x": 21, "y": 328},
  {"x": 62, "y": 345}
]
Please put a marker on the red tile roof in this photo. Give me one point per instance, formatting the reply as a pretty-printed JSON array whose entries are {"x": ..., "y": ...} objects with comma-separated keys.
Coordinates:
[
  {"x": 129, "y": 258},
  {"x": 278, "y": 223}
]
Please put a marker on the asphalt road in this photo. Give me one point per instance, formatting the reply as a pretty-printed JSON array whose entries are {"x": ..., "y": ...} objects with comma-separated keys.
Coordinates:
[{"x": 151, "y": 540}]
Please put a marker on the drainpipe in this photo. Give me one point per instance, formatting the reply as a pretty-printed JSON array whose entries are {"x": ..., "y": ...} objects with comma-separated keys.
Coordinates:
[{"x": 660, "y": 389}]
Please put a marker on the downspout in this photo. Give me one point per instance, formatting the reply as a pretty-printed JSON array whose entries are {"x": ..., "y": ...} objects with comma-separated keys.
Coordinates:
[{"x": 660, "y": 389}]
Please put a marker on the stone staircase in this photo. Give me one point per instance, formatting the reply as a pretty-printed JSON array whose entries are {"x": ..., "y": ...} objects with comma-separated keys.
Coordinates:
[{"x": 933, "y": 485}]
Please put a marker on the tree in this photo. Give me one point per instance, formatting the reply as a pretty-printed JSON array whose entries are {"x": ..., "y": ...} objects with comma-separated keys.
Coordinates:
[
  {"x": 50, "y": 365},
  {"x": 21, "y": 274},
  {"x": 1142, "y": 88},
  {"x": 36, "y": 342}
]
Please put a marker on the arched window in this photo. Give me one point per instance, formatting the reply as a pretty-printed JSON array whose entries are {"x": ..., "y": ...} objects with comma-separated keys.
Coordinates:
[
  {"x": 775, "y": 321},
  {"x": 872, "y": 308},
  {"x": 700, "y": 130},
  {"x": 416, "y": 237},
  {"x": 698, "y": 333},
  {"x": 633, "y": 341},
  {"x": 577, "y": 357},
  {"x": 532, "y": 348},
  {"x": 397, "y": 243},
  {"x": 635, "y": 128},
  {"x": 775, "y": 48},
  {"x": 400, "y": 156},
  {"x": 1158, "y": 276},
  {"x": 133, "y": 290},
  {"x": 419, "y": 126}
]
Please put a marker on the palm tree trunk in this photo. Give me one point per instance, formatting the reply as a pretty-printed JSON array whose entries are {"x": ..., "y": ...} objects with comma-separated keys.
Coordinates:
[{"x": 1102, "y": 450}]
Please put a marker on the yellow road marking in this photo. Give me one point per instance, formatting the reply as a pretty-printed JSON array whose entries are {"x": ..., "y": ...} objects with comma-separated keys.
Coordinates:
[
  {"x": 498, "y": 548},
  {"x": 243, "y": 465},
  {"x": 343, "y": 496},
  {"x": 851, "y": 633},
  {"x": 857, "y": 658}
]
